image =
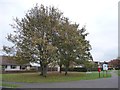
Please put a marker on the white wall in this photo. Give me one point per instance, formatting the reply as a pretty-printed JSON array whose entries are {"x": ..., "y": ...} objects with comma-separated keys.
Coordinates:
[
  {"x": 28, "y": 67},
  {"x": 10, "y": 69},
  {"x": 58, "y": 68}
]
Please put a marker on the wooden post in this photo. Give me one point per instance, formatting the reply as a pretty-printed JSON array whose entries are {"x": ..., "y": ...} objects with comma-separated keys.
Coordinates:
[
  {"x": 106, "y": 73},
  {"x": 99, "y": 74},
  {"x": 103, "y": 73}
]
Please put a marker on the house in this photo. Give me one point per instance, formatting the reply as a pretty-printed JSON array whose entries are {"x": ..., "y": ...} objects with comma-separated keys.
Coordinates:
[{"x": 8, "y": 64}]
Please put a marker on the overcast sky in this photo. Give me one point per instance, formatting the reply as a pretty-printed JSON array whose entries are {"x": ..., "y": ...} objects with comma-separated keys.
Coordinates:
[{"x": 99, "y": 16}]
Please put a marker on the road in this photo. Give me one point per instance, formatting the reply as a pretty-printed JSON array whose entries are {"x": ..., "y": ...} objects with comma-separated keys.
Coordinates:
[{"x": 98, "y": 83}]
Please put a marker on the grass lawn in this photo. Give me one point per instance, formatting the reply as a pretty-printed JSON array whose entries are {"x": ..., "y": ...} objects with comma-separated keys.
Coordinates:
[
  {"x": 51, "y": 77},
  {"x": 117, "y": 72}
]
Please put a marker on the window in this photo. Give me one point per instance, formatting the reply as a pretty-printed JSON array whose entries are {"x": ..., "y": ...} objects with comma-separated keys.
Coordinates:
[
  {"x": 23, "y": 67},
  {"x": 4, "y": 66},
  {"x": 13, "y": 66}
]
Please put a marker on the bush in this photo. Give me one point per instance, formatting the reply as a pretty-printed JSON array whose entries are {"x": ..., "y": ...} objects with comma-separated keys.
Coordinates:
[
  {"x": 75, "y": 69},
  {"x": 117, "y": 68},
  {"x": 110, "y": 68},
  {"x": 21, "y": 71},
  {"x": 52, "y": 69},
  {"x": 80, "y": 69},
  {"x": 94, "y": 69}
]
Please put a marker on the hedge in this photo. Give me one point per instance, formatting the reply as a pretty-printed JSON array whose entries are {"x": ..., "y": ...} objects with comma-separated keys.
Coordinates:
[{"x": 75, "y": 69}]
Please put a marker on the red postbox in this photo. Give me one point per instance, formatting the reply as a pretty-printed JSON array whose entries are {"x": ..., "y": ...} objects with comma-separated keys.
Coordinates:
[{"x": 99, "y": 70}]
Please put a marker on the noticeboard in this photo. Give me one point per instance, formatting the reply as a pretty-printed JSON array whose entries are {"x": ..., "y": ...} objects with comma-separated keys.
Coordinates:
[{"x": 105, "y": 66}]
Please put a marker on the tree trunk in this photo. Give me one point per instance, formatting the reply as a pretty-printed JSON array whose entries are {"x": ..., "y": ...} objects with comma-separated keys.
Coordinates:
[
  {"x": 44, "y": 70},
  {"x": 66, "y": 70},
  {"x": 41, "y": 69},
  {"x": 60, "y": 68},
  {"x": 66, "y": 67}
]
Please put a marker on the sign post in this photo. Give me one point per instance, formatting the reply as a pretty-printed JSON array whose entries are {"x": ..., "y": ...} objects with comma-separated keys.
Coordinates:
[{"x": 105, "y": 68}]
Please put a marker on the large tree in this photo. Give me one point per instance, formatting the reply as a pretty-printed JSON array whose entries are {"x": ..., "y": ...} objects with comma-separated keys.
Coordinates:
[
  {"x": 45, "y": 35},
  {"x": 33, "y": 36},
  {"x": 72, "y": 45}
]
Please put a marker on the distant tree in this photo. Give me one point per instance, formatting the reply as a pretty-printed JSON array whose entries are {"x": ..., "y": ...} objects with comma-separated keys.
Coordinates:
[
  {"x": 89, "y": 65},
  {"x": 118, "y": 58},
  {"x": 115, "y": 63}
]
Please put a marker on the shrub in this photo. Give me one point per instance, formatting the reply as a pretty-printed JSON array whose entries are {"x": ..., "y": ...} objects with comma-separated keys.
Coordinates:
[{"x": 75, "y": 69}]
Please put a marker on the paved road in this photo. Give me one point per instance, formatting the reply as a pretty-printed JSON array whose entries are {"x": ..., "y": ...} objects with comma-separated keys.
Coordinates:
[{"x": 98, "y": 83}]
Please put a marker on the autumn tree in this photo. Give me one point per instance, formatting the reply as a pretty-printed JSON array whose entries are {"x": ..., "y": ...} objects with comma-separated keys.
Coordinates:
[
  {"x": 72, "y": 45},
  {"x": 115, "y": 63},
  {"x": 44, "y": 35},
  {"x": 33, "y": 36}
]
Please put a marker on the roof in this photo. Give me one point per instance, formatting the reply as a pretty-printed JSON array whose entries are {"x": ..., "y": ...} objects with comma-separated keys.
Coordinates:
[
  {"x": 6, "y": 60},
  {"x": 34, "y": 64}
]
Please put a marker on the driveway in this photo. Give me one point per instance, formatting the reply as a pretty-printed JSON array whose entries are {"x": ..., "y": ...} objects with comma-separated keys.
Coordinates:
[{"x": 98, "y": 83}]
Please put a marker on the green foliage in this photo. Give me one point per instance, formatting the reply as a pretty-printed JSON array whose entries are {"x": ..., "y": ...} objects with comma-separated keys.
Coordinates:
[
  {"x": 89, "y": 65},
  {"x": 45, "y": 35},
  {"x": 75, "y": 69}
]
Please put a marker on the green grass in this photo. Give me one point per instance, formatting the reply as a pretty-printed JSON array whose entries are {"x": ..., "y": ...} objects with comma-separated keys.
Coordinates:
[
  {"x": 0, "y": 77},
  {"x": 117, "y": 72},
  {"x": 52, "y": 77},
  {"x": 8, "y": 85}
]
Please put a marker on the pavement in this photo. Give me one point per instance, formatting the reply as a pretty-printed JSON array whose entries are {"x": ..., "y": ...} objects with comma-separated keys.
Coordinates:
[{"x": 98, "y": 83}]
